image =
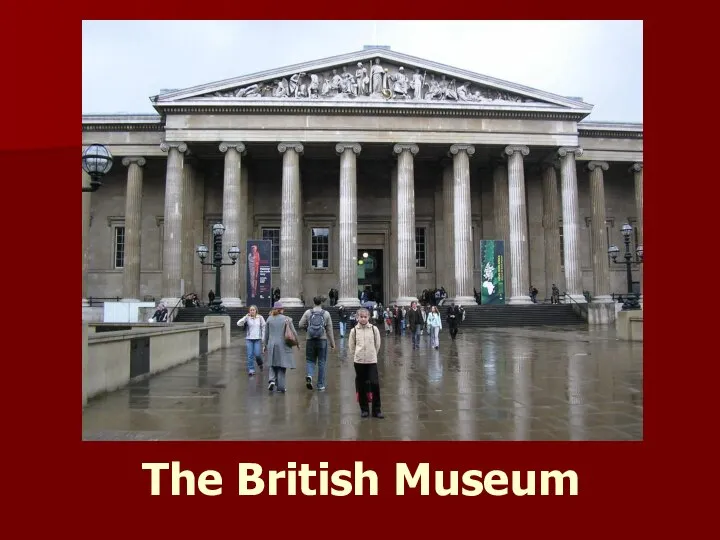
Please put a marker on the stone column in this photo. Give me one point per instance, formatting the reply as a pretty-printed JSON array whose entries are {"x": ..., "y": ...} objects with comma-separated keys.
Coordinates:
[
  {"x": 245, "y": 226},
  {"x": 393, "y": 234},
  {"x": 448, "y": 181},
  {"x": 407, "y": 267},
  {"x": 188, "y": 257},
  {"x": 571, "y": 222},
  {"x": 637, "y": 170},
  {"x": 517, "y": 214},
  {"x": 172, "y": 241},
  {"x": 133, "y": 228},
  {"x": 85, "y": 237},
  {"x": 501, "y": 218},
  {"x": 291, "y": 226},
  {"x": 601, "y": 267},
  {"x": 348, "y": 223},
  {"x": 462, "y": 222},
  {"x": 551, "y": 227},
  {"x": 232, "y": 219}
]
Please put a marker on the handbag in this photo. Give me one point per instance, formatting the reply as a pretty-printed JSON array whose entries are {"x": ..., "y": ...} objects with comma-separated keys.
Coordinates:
[{"x": 289, "y": 336}]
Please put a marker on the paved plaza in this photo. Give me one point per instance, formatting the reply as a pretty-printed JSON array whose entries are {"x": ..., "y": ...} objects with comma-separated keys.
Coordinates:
[{"x": 490, "y": 384}]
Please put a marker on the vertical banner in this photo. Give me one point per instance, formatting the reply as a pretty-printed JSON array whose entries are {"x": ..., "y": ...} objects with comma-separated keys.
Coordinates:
[
  {"x": 259, "y": 273},
  {"x": 492, "y": 262}
]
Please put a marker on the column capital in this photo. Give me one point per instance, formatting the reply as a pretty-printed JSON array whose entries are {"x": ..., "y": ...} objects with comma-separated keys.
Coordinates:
[
  {"x": 225, "y": 146},
  {"x": 516, "y": 149},
  {"x": 399, "y": 148},
  {"x": 565, "y": 150},
  {"x": 592, "y": 165},
  {"x": 179, "y": 146},
  {"x": 457, "y": 148},
  {"x": 285, "y": 146},
  {"x": 636, "y": 167},
  {"x": 341, "y": 147},
  {"x": 140, "y": 161}
]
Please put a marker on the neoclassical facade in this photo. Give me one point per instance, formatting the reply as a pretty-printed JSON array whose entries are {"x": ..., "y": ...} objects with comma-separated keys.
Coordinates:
[{"x": 376, "y": 151}]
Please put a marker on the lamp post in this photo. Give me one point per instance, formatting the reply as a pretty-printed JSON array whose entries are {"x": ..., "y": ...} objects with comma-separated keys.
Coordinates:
[
  {"x": 631, "y": 302},
  {"x": 97, "y": 162},
  {"x": 202, "y": 251}
]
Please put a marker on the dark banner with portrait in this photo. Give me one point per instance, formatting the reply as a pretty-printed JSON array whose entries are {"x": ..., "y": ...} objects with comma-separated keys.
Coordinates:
[
  {"x": 492, "y": 263},
  {"x": 259, "y": 273}
]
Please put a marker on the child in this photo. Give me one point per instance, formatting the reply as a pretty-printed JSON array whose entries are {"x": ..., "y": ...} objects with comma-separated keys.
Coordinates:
[{"x": 364, "y": 347}]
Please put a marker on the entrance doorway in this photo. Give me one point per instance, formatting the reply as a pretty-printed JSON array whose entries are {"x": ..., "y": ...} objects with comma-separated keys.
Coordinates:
[{"x": 370, "y": 274}]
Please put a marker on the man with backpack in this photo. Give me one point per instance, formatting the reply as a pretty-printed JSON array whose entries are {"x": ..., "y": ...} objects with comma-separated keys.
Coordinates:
[{"x": 318, "y": 323}]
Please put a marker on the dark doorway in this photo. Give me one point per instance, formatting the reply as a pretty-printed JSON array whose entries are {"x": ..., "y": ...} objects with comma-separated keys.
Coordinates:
[{"x": 370, "y": 274}]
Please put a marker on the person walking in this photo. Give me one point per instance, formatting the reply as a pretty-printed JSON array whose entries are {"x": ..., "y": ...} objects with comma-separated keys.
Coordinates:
[
  {"x": 278, "y": 348},
  {"x": 434, "y": 325},
  {"x": 364, "y": 346},
  {"x": 415, "y": 324},
  {"x": 318, "y": 323},
  {"x": 343, "y": 317},
  {"x": 255, "y": 333},
  {"x": 454, "y": 316}
]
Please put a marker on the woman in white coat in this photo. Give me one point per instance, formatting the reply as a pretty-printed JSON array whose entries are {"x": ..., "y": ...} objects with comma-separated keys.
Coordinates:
[
  {"x": 434, "y": 325},
  {"x": 253, "y": 338}
]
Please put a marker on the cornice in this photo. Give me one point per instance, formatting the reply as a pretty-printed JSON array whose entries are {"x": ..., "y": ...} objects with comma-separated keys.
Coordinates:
[
  {"x": 360, "y": 110},
  {"x": 611, "y": 130}
]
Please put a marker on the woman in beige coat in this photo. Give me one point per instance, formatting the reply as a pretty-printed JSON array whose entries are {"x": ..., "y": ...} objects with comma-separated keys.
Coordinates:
[{"x": 364, "y": 347}]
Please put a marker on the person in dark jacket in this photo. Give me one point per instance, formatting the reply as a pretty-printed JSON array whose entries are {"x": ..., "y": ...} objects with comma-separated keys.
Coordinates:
[
  {"x": 415, "y": 324},
  {"x": 454, "y": 316},
  {"x": 161, "y": 314},
  {"x": 211, "y": 297},
  {"x": 343, "y": 318}
]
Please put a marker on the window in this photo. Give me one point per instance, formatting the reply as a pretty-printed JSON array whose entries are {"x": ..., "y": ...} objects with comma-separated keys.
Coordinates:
[
  {"x": 562, "y": 248},
  {"x": 320, "y": 247},
  {"x": 119, "y": 246},
  {"x": 273, "y": 234},
  {"x": 420, "y": 247}
]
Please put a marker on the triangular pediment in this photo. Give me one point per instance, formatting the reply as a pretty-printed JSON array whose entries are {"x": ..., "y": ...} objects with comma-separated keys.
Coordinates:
[{"x": 379, "y": 76}]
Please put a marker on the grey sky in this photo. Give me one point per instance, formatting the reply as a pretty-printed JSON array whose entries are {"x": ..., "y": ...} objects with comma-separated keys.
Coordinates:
[{"x": 126, "y": 62}]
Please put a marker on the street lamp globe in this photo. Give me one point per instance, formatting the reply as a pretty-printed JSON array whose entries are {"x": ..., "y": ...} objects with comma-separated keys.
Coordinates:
[
  {"x": 626, "y": 230},
  {"x": 218, "y": 229},
  {"x": 639, "y": 251},
  {"x": 96, "y": 162},
  {"x": 202, "y": 251},
  {"x": 613, "y": 252},
  {"x": 234, "y": 253}
]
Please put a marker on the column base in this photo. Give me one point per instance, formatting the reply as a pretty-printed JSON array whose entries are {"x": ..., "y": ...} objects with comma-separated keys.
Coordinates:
[
  {"x": 465, "y": 301},
  {"x": 520, "y": 301},
  {"x": 231, "y": 302},
  {"x": 405, "y": 300},
  {"x": 348, "y": 302},
  {"x": 85, "y": 302},
  {"x": 291, "y": 302},
  {"x": 136, "y": 300},
  {"x": 579, "y": 298},
  {"x": 170, "y": 303},
  {"x": 601, "y": 312},
  {"x": 602, "y": 299}
]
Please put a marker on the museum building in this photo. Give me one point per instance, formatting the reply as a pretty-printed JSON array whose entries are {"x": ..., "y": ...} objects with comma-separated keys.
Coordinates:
[{"x": 373, "y": 156}]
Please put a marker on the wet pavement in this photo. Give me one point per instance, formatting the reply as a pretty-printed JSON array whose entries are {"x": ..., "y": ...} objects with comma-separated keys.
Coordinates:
[{"x": 490, "y": 384}]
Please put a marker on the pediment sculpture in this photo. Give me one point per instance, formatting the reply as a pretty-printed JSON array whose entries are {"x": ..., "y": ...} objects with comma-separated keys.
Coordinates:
[{"x": 372, "y": 81}]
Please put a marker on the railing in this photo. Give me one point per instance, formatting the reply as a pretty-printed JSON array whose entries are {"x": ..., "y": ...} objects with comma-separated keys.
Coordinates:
[
  {"x": 174, "y": 309},
  {"x": 100, "y": 300},
  {"x": 621, "y": 297},
  {"x": 581, "y": 309}
]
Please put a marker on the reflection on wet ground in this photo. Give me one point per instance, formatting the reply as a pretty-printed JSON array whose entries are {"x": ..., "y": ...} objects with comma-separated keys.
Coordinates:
[{"x": 490, "y": 384}]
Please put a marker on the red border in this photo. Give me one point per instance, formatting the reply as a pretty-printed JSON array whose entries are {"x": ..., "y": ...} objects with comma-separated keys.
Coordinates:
[{"x": 102, "y": 486}]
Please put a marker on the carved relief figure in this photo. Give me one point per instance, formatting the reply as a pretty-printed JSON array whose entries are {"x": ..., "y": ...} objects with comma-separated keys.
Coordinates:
[
  {"x": 314, "y": 86},
  {"x": 447, "y": 89},
  {"x": 463, "y": 92},
  {"x": 362, "y": 80},
  {"x": 418, "y": 81},
  {"x": 298, "y": 88},
  {"x": 336, "y": 83},
  {"x": 348, "y": 83},
  {"x": 434, "y": 90},
  {"x": 282, "y": 89},
  {"x": 400, "y": 85},
  {"x": 377, "y": 75}
]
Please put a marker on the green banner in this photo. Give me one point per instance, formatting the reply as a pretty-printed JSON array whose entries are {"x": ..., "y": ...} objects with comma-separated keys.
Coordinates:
[{"x": 492, "y": 260}]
